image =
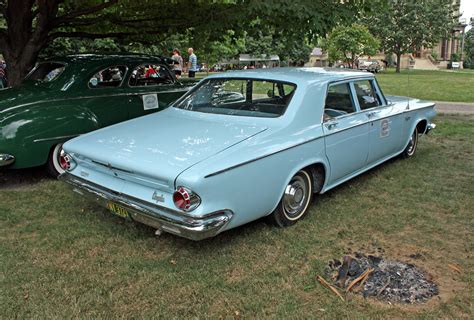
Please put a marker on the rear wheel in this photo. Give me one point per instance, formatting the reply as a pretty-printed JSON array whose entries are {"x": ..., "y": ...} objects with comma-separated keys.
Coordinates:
[
  {"x": 53, "y": 166},
  {"x": 295, "y": 200},
  {"x": 411, "y": 146}
]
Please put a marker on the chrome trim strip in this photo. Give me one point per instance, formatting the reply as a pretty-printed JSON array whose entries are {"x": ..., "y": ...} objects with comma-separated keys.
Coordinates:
[
  {"x": 96, "y": 96},
  {"x": 261, "y": 157},
  {"x": 369, "y": 119},
  {"x": 56, "y": 138},
  {"x": 325, "y": 135},
  {"x": 109, "y": 166},
  {"x": 164, "y": 219},
  {"x": 6, "y": 159}
]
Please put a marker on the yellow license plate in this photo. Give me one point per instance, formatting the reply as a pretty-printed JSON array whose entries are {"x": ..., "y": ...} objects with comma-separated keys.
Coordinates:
[{"x": 118, "y": 210}]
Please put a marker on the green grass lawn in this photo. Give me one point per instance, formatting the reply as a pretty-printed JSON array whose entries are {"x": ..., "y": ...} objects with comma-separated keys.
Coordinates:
[
  {"x": 63, "y": 257},
  {"x": 455, "y": 86}
]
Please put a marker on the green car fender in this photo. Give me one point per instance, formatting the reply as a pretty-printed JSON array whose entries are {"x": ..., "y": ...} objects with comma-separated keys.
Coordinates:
[{"x": 30, "y": 134}]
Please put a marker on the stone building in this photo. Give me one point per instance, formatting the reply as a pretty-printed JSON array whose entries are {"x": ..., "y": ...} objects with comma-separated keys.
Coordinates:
[{"x": 448, "y": 48}]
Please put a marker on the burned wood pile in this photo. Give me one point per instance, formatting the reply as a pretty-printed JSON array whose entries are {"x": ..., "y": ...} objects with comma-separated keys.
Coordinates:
[{"x": 388, "y": 280}]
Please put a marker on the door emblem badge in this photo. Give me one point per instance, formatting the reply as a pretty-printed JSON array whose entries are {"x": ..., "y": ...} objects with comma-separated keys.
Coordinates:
[
  {"x": 158, "y": 197},
  {"x": 384, "y": 128}
]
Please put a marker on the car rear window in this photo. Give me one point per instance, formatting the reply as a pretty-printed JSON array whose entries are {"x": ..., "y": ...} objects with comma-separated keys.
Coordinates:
[
  {"x": 239, "y": 97},
  {"x": 46, "y": 71}
]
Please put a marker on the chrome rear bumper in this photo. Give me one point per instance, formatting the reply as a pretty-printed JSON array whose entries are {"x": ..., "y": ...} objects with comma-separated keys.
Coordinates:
[
  {"x": 430, "y": 127},
  {"x": 161, "y": 218},
  {"x": 6, "y": 159}
]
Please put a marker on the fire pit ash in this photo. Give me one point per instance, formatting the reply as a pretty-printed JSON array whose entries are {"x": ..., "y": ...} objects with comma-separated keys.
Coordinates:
[{"x": 388, "y": 280}]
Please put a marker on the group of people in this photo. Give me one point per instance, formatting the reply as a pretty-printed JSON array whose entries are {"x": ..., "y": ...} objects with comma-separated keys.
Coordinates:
[
  {"x": 179, "y": 67},
  {"x": 3, "y": 75}
]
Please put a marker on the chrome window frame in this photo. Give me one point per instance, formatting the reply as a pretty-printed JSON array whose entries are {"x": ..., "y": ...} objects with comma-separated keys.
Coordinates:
[
  {"x": 355, "y": 101},
  {"x": 351, "y": 92},
  {"x": 374, "y": 89}
]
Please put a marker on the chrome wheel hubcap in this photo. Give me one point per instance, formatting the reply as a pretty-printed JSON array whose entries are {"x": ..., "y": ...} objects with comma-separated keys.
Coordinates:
[
  {"x": 58, "y": 151},
  {"x": 412, "y": 144},
  {"x": 294, "y": 199}
]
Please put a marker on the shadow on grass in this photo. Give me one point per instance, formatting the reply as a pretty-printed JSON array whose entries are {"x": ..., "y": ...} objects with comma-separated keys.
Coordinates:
[{"x": 16, "y": 178}]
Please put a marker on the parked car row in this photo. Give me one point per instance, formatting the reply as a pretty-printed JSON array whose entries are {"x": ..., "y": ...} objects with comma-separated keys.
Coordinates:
[{"x": 244, "y": 145}]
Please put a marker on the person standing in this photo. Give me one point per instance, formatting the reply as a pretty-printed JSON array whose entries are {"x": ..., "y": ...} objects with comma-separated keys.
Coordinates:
[
  {"x": 178, "y": 63},
  {"x": 192, "y": 63}
]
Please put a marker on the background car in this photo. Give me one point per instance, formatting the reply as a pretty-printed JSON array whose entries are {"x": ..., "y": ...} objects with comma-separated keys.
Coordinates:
[
  {"x": 66, "y": 97},
  {"x": 370, "y": 66},
  {"x": 244, "y": 145}
]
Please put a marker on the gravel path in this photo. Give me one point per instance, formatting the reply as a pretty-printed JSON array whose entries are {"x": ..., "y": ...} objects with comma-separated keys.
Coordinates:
[{"x": 454, "y": 107}]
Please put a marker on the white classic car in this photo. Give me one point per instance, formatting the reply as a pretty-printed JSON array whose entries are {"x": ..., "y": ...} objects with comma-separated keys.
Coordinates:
[{"x": 244, "y": 145}]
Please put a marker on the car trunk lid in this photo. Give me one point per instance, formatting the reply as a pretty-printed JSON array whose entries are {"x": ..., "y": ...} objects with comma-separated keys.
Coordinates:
[{"x": 162, "y": 145}]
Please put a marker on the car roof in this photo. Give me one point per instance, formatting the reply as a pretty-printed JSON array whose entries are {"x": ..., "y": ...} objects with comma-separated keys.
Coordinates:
[
  {"x": 116, "y": 58},
  {"x": 307, "y": 75}
]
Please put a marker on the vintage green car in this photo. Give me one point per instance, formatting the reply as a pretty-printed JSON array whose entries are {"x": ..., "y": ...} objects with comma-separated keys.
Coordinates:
[{"x": 63, "y": 98}]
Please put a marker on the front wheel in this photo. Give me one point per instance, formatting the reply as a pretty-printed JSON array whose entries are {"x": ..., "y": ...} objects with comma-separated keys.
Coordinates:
[
  {"x": 295, "y": 200},
  {"x": 411, "y": 146},
  {"x": 53, "y": 166}
]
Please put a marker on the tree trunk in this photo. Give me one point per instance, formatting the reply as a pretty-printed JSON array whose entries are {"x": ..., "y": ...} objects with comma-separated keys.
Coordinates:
[
  {"x": 399, "y": 60},
  {"x": 21, "y": 43},
  {"x": 18, "y": 65}
]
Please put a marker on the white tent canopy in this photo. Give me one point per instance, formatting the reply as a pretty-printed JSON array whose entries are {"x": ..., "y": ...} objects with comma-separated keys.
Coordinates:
[{"x": 261, "y": 58}]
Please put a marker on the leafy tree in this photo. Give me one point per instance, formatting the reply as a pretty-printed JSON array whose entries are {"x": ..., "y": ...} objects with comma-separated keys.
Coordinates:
[
  {"x": 469, "y": 49},
  {"x": 404, "y": 26},
  {"x": 28, "y": 26},
  {"x": 348, "y": 43}
]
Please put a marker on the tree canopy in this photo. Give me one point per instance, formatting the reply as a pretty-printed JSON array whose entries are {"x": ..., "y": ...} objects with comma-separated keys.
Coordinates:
[
  {"x": 469, "y": 49},
  {"x": 348, "y": 43},
  {"x": 404, "y": 26},
  {"x": 27, "y": 27}
]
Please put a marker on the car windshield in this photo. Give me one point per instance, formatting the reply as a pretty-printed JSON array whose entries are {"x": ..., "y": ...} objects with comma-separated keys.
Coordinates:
[
  {"x": 46, "y": 72},
  {"x": 239, "y": 97}
]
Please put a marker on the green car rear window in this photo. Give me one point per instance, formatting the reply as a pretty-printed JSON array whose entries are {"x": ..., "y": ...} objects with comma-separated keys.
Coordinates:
[{"x": 46, "y": 72}]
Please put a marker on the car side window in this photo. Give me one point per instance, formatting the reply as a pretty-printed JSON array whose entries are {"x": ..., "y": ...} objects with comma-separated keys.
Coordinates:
[
  {"x": 338, "y": 101},
  {"x": 366, "y": 94},
  {"x": 150, "y": 75},
  {"x": 110, "y": 77}
]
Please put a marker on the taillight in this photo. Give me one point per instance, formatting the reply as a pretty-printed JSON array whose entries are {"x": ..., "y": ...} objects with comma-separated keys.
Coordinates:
[
  {"x": 66, "y": 162},
  {"x": 185, "y": 199}
]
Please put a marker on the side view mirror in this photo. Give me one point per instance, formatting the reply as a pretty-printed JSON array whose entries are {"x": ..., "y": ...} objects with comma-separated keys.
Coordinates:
[{"x": 270, "y": 93}]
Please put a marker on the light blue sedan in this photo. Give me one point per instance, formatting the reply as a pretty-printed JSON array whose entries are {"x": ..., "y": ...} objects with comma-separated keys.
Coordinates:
[{"x": 244, "y": 145}]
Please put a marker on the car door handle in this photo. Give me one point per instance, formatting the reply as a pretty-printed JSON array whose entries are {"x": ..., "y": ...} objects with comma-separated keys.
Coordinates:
[
  {"x": 372, "y": 114},
  {"x": 331, "y": 125}
]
